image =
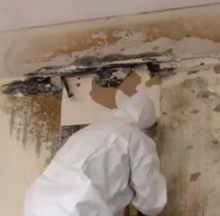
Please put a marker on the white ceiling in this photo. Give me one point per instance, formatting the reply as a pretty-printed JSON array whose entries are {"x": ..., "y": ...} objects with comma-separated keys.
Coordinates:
[{"x": 16, "y": 14}]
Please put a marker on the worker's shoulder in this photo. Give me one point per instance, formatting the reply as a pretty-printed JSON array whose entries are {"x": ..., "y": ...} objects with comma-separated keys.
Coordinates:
[{"x": 117, "y": 126}]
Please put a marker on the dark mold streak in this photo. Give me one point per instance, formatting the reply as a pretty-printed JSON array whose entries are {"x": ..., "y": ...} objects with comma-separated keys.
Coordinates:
[
  {"x": 38, "y": 141},
  {"x": 39, "y": 82},
  {"x": 25, "y": 130},
  {"x": 93, "y": 65},
  {"x": 93, "y": 60},
  {"x": 12, "y": 121},
  {"x": 31, "y": 86}
]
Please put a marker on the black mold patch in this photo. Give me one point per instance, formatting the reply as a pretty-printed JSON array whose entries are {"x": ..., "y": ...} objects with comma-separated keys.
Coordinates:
[
  {"x": 31, "y": 86},
  {"x": 67, "y": 131},
  {"x": 154, "y": 68},
  {"x": 92, "y": 64},
  {"x": 93, "y": 60},
  {"x": 112, "y": 79}
]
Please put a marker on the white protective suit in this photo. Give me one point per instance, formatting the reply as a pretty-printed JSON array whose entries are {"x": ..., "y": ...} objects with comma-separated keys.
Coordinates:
[{"x": 102, "y": 168}]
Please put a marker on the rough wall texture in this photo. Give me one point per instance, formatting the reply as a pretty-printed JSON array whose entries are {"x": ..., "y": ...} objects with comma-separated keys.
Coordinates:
[
  {"x": 189, "y": 138},
  {"x": 189, "y": 143},
  {"x": 185, "y": 31}
]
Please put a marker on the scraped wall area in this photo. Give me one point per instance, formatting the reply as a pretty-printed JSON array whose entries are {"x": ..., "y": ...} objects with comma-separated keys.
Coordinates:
[{"x": 183, "y": 84}]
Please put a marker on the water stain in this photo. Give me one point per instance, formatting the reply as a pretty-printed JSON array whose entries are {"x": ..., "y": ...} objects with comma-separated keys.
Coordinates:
[
  {"x": 47, "y": 46},
  {"x": 25, "y": 130},
  {"x": 155, "y": 80},
  {"x": 194, "y": 176},
  {"x": 38, "y": 141}
]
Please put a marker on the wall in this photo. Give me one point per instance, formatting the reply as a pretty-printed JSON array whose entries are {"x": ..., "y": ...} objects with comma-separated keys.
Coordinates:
[
  {"x": 23, "y": 13},
  {"x": 194, "y": 37}
]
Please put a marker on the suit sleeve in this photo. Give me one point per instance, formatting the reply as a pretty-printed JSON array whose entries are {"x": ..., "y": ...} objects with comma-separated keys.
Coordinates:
[{"x": 146, "y": 180}]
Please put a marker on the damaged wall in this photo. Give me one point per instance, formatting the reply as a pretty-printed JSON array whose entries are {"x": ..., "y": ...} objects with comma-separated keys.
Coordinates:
[
  {"x": 186, "y": 32},
  {"x": 192, "y": 34}
]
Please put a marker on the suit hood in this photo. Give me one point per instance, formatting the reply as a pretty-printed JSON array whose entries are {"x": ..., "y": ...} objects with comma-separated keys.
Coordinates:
[{"x": 140, "y": 110}]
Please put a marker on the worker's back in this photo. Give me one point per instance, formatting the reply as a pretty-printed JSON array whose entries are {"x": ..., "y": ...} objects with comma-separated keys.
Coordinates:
[{"x": 92, "y": 173}]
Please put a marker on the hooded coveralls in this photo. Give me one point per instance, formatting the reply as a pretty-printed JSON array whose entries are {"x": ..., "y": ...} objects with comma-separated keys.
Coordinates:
[{"x": 102, "y": 168}]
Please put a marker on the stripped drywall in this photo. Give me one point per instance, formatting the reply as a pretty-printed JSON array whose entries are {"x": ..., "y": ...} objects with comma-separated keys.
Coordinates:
[
  {"x": 33, "y": 106},
  {"x": 187, "y": 32},
  {"x": 15, "y": 14},
  {"x": 100, "y": 100}
]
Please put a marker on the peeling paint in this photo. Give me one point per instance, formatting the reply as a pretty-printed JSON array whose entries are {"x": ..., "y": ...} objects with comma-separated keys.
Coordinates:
[
  {"x": 189, "y": 143},
  {"x": 155, "y": 80},
  {"x": 25, "y": 130},
  {"x": 38, "y": 141},
  {"x": 129, "y": 85},
  {"x": 12, "y": 120},
  {"x": 194, "y": 176},
  {"x": 107, "y": 96}
]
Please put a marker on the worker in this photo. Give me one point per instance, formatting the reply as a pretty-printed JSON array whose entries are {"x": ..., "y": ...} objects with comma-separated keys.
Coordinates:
[{"x": 104, "y": 167}]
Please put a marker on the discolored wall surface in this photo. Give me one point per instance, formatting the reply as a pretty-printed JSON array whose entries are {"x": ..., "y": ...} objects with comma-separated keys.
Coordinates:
[
  {"x": 91, "y": 97},
  {"x": 187, "y": 103},
  {"x": 189, "y": 143},
  {"x": 186, "y": 31}
]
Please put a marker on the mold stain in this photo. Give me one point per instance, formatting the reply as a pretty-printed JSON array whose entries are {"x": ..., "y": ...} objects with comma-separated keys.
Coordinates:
[
  {"x": 36, "y": 112},
  {"x": 52, "y": 45},
  {"x": 12, "y": 120},
  {"x": 194, "y": 176}
]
